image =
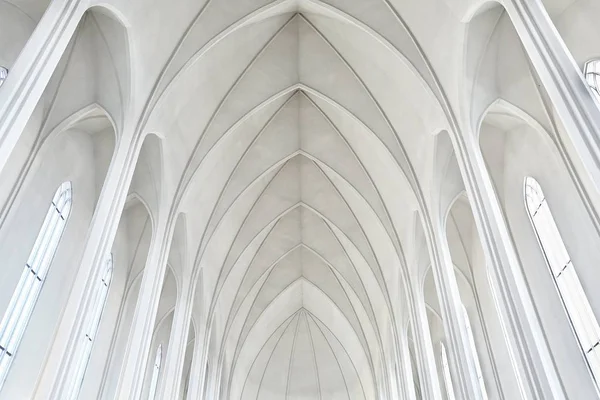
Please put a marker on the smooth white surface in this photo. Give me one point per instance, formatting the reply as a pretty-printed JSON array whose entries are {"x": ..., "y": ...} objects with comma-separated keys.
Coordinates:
[{"x": 300, "y": 194}]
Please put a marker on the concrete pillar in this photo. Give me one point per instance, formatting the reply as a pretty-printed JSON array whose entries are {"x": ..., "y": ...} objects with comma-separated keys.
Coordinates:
[
  {"x": 428, "y": 376},
  {"x": 562, "y": 78},
  {"x": 537, "y": 378},
  {"x": 461, "y": 355},
  {"x": 140, "y": 337},
  {"x": 100, "y": 237},
  {"x": 173, "y": 366},
  {"x": 33, "y": 69},
  {"x": 394, "y": 375},
  {"x": 405, "y": 378},
  {"x": 197, "y": 369}
]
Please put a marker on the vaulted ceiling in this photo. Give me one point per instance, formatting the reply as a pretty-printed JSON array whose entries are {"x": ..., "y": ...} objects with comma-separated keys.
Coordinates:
[
  {"x": 297, "y": 155},
  {"x": 297, "y": 141}
]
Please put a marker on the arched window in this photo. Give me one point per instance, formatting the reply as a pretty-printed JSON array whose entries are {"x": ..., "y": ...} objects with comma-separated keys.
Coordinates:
[
  {"x": 90, "y": 328},
  {"x": 471, "y": 339},
  {"x": 591, "y": 71},
  {"x": 33, "y": 276},
  {"x": 569, "y": 287},
  {"x": 155, "y": 373},
  {"x": 205, "y": 383},
  {"x": 3, "y": 74},
  {"x": 446, "y": 373}
]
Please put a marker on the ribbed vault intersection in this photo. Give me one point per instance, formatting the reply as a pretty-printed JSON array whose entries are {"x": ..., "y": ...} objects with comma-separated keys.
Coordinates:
[
  {"x": 299, "y": 156},
  {"x": 292, "y": 246},
  {"x": 297, "y": 199},
  {"x": 301, "y": 263},
  {"x": 303, "y": 359}
]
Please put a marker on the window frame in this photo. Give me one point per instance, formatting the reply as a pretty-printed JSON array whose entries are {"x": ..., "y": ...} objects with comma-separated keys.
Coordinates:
[
  {"x": 205, "y": 383},
  {"x": 156, "y": 368},
  {"x": 3, "y": 74},
  {"x": 591, "y": 74},
  {"x": 88, "y": 334},
  {"x": 26, "y": 294},
  {"x": 584, "y": 353}
]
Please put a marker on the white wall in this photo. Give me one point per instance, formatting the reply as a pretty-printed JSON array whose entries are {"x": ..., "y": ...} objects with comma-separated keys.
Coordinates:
[
  {"x": 71, "y": 158},
  {"x": 527, "y": 154}
]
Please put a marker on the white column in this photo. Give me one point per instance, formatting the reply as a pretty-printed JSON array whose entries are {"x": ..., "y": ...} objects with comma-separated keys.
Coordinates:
[
  {"x": 197, "y": 369},
  {"x": 386, "y": 381},
  {"x": 33, "y": 68},
  {"x": 101, "y": 234},
  {"x": 393, "y": 373},
  {"x": 393, "y": 379},
  {"x": 562, "y": 79},
  {"x": 178, "y": 343},
  {"x": 428, "y": 376},
  {"x": 461, "y": 355},
  {"x": 529, "y": 352},
  {"x": 140, "y": 336},
  {"x": 406, "y": 379}
]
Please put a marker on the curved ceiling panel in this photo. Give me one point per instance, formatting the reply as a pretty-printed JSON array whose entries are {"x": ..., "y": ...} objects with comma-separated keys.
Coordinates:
[{"x": 289, "y": 144}]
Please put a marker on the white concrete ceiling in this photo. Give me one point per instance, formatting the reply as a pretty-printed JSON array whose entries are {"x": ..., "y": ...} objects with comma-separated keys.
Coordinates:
[
  {"x": 297, "y": 138},
  {"x": 285, "y": 133}
]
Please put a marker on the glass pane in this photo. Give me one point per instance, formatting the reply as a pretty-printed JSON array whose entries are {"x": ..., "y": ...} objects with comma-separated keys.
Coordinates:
[
  {"x": 155, "y": 374},
  {"x": 28, "y": 288},
  {"x": 569, "y": 287},
  {"x": 591, "y": 71},
  {"x": 90, "y": 328},
  {"x": 205, "y": 382},
  {"x": 3, "y": 74}
]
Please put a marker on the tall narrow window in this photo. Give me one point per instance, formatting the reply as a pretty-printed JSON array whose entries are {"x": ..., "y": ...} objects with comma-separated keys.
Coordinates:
[
  {"x": 591, "y": 71},
  {"x": 569, "y": 287},
  {"x": 33, "y": 276},
  {"x": 446, "y": 373},
  {"x": 90, "y": 328},
  {"x": 155, "y": 373},
  {"x": 205, "y": 383},
  {"x": 474, "y": 352},
  {"x": 3, "y": 74}
]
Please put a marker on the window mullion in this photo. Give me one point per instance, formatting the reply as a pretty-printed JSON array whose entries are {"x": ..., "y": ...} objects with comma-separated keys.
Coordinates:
[
  {"x": 577, "y": 307},
  {"x": 27, "y": 291},
  {"x": 89, "y": 330}
]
